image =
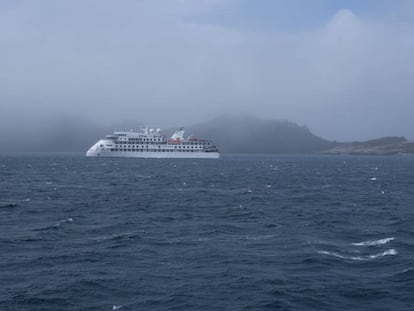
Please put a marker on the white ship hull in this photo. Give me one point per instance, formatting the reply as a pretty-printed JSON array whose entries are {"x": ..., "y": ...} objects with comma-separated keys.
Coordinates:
[
  {"x": 157, "y": 155},
  {"x": 150, "y": 144}
]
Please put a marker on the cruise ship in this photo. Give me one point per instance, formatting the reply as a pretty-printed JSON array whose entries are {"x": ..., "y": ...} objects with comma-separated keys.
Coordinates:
[{"x": 151, "y": 144}]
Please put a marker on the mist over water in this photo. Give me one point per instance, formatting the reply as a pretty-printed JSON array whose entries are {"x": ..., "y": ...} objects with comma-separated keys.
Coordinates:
[
  {"x": 343, "y": 69},
  {"x": 241, "y": 232}
]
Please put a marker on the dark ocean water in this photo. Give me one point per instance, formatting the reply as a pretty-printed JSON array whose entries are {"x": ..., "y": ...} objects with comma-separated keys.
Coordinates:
[{"x": 256, "y": 232}]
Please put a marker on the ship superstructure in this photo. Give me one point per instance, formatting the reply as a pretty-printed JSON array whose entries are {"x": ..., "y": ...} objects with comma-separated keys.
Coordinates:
[{"x": 151, "y": 144}]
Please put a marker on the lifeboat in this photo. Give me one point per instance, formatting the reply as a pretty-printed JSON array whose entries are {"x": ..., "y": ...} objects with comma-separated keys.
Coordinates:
[
  {"x": 174, "y": 141},
  {"x": 192, "y": 138}
]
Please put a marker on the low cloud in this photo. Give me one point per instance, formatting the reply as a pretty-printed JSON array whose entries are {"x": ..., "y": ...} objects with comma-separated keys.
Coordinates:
[{"x": 168, "y": 62}]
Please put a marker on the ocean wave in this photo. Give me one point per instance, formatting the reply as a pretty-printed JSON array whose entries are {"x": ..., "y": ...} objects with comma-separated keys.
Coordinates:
[
  {"x": 143, "y": 176},
  {"x": 374, "y": 242},
  {"x": 125, "y": 236},
  {"x": 118, "y": 236},
  {"x": 390, "y": 252},
  {"x": 407, "y": 269},
  {"x": 8, "y": 204},
  {"x": 63, "y": 221},
  {"x": 55, "y": 225},
  {"x": 259, "y": 237},
  {"x": 220, "y": 191}
]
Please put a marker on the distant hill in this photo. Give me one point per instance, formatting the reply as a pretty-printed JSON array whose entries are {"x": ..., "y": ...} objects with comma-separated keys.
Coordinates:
[{"x": 247, "y": 134}]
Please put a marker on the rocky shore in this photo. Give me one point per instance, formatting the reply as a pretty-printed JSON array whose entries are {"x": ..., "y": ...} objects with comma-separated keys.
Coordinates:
[{"x": 380, "y": 146}]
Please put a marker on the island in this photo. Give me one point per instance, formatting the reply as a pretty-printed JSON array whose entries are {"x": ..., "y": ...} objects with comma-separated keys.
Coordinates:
[{"x": 381, "y": 146}]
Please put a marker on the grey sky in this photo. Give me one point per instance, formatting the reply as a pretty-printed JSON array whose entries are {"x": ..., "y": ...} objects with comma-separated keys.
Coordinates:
[{"x": 343, "y": 69}]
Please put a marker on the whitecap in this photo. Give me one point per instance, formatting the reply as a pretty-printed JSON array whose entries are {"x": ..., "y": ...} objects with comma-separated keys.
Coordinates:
[
  {"x": 115, "y": 307},
  {"x": 408, "y": 269},
  {"x": 373, "y": 178},
  {"x": 390, "y": 252},
  {"x": 334, "y": 254},
  {"x": 374, "y": 242},
  {"x": 63, "y": 221}
]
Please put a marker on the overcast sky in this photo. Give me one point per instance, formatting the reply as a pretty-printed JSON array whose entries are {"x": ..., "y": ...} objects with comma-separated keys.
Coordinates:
[{"x": 343, "y": 68}]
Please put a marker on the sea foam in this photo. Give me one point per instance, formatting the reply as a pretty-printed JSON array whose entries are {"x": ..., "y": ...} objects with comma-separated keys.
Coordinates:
[
  {"x": 390, "y": 252},
  {"x": 374, "y": 242}
]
